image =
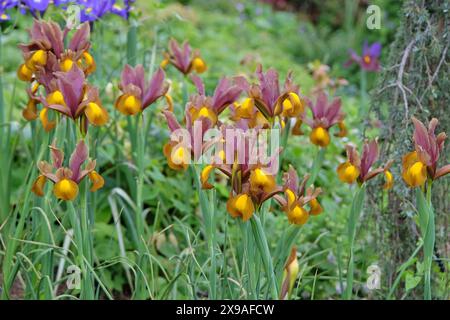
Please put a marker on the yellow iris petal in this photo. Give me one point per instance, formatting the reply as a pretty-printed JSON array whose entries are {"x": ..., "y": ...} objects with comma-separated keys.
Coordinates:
[
  {"x": 347, "y": 172},
  {"x": 96, "y": 114},
  {"x": 66, "y": 65},
  {"x": 65, "y": 189},
  {"x": 290, "y": 195},
  {"x": 38, "y": 58},
  {"x": 97, "y": 181},
  {"x": 128, "y": 104},
  {"x": 241, "y": 206},
  {"x": 38, "y": 186},
  {"x": 177, "y": 159},
  {"x": 46, "y": 123},
  {"x": 315, "y": 207},
  {"x": 414, "y": 172},
  {"x": 246, "y": 109},
  {"x": 320, "y": 137},
  {"x": 199, "y": 65},
  {"x": 298, "y": 215},
  {"x": 24, "y": 73},
  {"x": 204, "y": 176},
  {"x": 389, "y": 180},
  {"x": 292, "y": 105},
  {"x": 260, "y": 180},
  {"x": 30, "y": 111},
  {"x": 87, "y": 63},
  {"x": 56, "y": 97}
]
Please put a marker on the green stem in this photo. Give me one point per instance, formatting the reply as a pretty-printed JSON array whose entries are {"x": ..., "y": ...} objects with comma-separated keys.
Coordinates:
[
  {"x": 263, "y": 248},
  {"x": 317, "y": 165},
  {"x": 355, "y": 212}
]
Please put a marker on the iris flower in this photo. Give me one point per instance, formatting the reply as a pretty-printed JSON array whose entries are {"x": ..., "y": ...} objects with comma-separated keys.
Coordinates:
[
  {"x": 369, "y": 60},
  {"x": 67, "y": 179},
  {"x": 179, "y": 155},
  {"x": 47, "y": 44},
  {"x": 251, "y": 184},
  {"x": 202, "y": 106},
  {"x": 6, "y": 5},
  {"x": 422, "y": 164},
  {"x": 137, "y": 94},
  {"x": 360, "y": 168},
  {"x": 270, "y": 99},
  {"x": 324, "y": 116},
  {"x": 76, "y": 99},
  {"x": 299, "y": 203},
  {"x": 182, "y": 58}
]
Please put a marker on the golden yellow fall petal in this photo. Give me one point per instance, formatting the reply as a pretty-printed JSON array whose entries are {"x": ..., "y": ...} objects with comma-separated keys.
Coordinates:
[
  {"x": 97, "y": 181},
  {"x": 38, "y": 186},
  {"x": 65, "y": 189}
]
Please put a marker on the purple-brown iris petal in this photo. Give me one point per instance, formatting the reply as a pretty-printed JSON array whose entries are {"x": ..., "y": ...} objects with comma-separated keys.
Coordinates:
[
  {"x": 92, "y": 95},
  {"x": 265, "y": 196},
  {"x": 198, "y": 84},
  {"x": 71, "y": 85},
  {"x": 80, "y": 39},
  {"x": 78, "y": 157},
  {"x": 368, "y": 156},
  {"x": 270, "y": 87},
  {"x": 90, "y": 166},
  {"x": 421, "y": 137},
  {"x": 290, "y": 179},
  {"x": 181, "y": 57},
  {"x": 225, "y": 94},
  {"x": 171, "y": 121},
  {"x": 333, "y": 113},
  {"x": 57, "y": 156},
  {"x": 46, "y": 170},
  {"x": 281, "y": 200},
  {"x": 127, "y": 76},
  {"x": 352, "y": 155},
  {"x": 60, "y": 108},
  {"x": 156, "y": 89},
  {"x": 372, "y": 174},
  {"x": 442, "y": 171}
]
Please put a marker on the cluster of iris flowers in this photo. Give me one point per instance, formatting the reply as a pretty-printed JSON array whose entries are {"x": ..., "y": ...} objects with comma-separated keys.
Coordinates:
[{"x": 90, "y": 10}]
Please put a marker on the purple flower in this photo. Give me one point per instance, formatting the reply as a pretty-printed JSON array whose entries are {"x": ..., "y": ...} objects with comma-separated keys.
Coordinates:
[
  {"x": 5, "y": 5},
  {"x": 94, "y": 9},
  {"x": 369, "y": 60}
]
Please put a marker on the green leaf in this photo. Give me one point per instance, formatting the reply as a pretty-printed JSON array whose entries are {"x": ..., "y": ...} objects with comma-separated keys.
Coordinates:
[{"x": 411, "y": 281}]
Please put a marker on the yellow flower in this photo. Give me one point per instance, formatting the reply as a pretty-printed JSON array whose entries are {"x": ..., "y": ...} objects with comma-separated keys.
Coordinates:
[
  {"x": 24, "y": 73},
  {"x": 259, "y": 180},
  {"x": 315, "y": 207},
  {"x": 389, "y": 180},
  {"x": 292, "y": 106},
  {"x": 246, "y": 109},
  {"x": 298, "y": 215},
  {"x": 46, "y": 123},
  {"x": 204, "y": 176},
  {"x": 96, "y": 114},
  {"x": 87, "y": 63},
  {"x": 203, "y": 112},
  {"x": 56, "y": 97},
  {"x": 128, "y": 104},
  {"x": 199, "y": 65},
  {"x": 30, "y": 111},
  {"x": 65, "y": 189},
  {"x": 177, "y": 159},
  {"x": 241, "y": 206},
  {"x": 347, "y": 172},
  {"x": 38, "y": 186},
  {"x": 414, "y": 171},
  {"x": 38, "y": 58},
  {"x": 320, "y": 137},
  {"x": 290, "y": 274},
  {"x": 66, "y": 64},
  {"x": 97, "y": 181}
]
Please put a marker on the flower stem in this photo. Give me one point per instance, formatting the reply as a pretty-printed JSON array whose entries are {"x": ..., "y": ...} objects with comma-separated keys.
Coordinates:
[
  {"x": 355, "y": 211},
  {"x": 263, "y": 248}
]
